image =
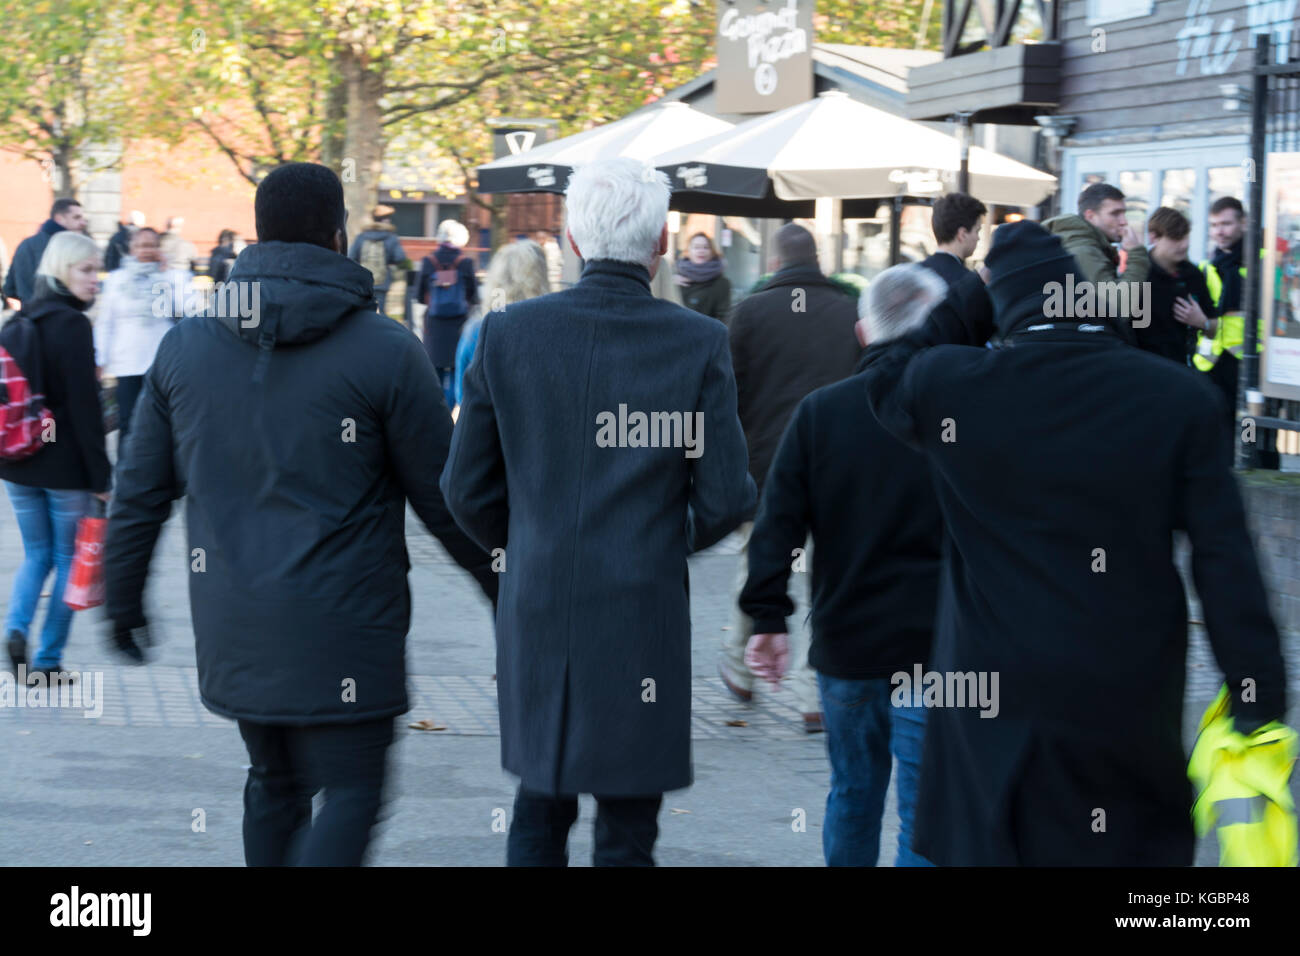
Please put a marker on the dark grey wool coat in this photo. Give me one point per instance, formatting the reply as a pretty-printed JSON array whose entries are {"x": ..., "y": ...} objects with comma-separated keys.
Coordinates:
[{"x": 594, "y": 599}]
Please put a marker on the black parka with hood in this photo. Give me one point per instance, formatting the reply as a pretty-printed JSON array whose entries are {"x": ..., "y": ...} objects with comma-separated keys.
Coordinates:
[{"x": 297, "y": 434}]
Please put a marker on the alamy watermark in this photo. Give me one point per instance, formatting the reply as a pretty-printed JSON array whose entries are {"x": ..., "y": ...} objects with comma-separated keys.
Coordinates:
[
  {"x": 231, "y": 300},
  {"x": 1098, "y": 300},
  {"x": 651, "y": 430},
  {"x": 946, "y": 689},
  {"x": 65, "y": 690}
]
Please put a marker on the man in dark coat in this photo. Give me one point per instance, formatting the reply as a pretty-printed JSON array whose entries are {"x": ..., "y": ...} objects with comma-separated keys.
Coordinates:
[
  {"x": 1180, "y": 304},
  {"x": 791, "y": 337},
  {"x": 956, "y": 220},
  {"x": 869, "y": 504},
  {"x": 1065, "y": 461},
  {"x": 594, "y": 514},
  {"x": 64, "y": 214},
  {"x": 298, "y": 423}
]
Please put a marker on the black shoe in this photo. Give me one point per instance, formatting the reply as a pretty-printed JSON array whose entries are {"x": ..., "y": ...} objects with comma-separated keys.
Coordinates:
[
  {"x": 17, "y": 649},
  {"x": 123, "y": 641}
]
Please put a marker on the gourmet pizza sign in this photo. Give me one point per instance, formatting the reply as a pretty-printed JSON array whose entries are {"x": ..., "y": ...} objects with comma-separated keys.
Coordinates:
[{"x": 764, "y": 55}]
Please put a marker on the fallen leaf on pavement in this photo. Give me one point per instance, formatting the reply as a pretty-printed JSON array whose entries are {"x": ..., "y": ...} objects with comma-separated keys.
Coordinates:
[
  {"x": 737, "y": 723},
  {"x": 426, "y": 725}
]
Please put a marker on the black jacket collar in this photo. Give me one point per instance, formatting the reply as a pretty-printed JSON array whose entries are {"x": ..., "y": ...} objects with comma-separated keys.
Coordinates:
[
  {"x": 615, "y": 273},
  {"x": 799, "y": 275},
  {"x": 46, "y": 300}
]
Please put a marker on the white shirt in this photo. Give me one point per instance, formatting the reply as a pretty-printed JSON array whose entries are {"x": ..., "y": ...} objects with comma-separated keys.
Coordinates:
[{"x": 136, "y": 309}]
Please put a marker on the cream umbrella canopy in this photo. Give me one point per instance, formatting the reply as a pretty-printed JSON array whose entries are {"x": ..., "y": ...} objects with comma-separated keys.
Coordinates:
[
  {"x": 638, "y": 136},
  {"x": 832, "y": 146}
]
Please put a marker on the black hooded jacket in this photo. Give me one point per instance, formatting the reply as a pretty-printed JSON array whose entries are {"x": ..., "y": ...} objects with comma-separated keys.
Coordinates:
[
  {"x": 1064, "y": 462},
  {"x": 297, "y": 435}
]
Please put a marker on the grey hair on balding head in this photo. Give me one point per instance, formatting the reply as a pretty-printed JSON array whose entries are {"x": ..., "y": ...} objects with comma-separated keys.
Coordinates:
[{"x": 899, "y": 299}]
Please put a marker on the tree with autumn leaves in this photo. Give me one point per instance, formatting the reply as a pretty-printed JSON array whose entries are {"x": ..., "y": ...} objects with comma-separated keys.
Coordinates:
[{"x": 337, "y": 81}]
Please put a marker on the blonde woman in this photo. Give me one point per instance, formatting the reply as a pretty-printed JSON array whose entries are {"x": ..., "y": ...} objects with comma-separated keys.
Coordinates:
[
  {"x": 51, "y": 490},
  {"x": 517, "y": 272}
]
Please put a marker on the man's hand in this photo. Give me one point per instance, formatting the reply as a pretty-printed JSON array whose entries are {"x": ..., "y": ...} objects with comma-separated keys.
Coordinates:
[
  {"x": 1188, "y": 312},
  {"x": 768, "y": 656},
  {"x": 1129, "y": 239}
]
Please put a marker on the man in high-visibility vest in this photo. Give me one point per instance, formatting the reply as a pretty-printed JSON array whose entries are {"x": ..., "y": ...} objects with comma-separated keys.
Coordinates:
[{"x": 1219, "y": 356}]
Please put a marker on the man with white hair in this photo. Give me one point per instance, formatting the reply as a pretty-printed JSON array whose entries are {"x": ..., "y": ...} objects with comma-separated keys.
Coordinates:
[
  {"x": 448, "y": 287},
  {"x": 597, "y": 446},
  {"x": 870, "y": 506}
]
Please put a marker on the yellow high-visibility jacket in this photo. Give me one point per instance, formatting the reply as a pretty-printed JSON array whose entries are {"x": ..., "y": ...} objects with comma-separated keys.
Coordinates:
[
  {"x": 1243, "y": 792},
  {"x": 1231, "y": 333}
]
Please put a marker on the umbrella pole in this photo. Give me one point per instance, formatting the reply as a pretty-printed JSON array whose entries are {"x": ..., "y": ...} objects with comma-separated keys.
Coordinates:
[
  {"x": 895, "y": 232},
  {"x": 829, "y": 219}
]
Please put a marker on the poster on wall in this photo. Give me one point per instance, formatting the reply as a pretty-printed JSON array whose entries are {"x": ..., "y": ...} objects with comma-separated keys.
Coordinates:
[
  {"x": 1280, "y": 288},
  {"x": 764, "y": 55}
]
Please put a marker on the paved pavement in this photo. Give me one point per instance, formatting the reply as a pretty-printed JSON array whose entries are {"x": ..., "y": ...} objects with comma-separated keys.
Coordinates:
[{"x": 131, "y": 786}]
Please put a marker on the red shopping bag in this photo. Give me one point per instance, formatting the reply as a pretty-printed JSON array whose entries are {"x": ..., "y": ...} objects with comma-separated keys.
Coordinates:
[{"x": 85, "y": 586}]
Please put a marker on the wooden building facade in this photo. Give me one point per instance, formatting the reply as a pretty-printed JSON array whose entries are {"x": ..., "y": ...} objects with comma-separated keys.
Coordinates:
[{"x": 1149, "y": 95}]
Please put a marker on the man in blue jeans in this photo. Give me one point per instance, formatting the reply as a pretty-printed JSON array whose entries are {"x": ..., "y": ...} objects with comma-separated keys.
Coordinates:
[{"x": 869, "y": 504}]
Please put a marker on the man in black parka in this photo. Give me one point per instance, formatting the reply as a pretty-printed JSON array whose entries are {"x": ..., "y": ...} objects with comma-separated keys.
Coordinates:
[
  {"x": 1065, "y": 461},
  {"x": 298, "y": 423},
  {"x": 565, "y": 456}
]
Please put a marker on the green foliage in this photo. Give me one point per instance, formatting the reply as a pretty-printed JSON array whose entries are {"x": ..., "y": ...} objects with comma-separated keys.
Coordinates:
[{"x": 264, "y": 79}]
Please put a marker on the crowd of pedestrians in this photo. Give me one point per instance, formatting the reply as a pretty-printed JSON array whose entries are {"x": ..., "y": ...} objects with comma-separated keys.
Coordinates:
[{"x": 983, "y": 492}]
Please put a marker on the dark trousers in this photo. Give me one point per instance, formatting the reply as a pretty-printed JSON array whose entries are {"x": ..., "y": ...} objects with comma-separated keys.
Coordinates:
[
  {"x": 289, "y": 766},
  {"x": 626, "y": 830},
  {"x": 128, "y": 390}
]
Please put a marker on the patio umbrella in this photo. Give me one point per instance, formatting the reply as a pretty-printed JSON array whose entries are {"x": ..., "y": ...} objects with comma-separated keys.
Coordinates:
[
  {"x": 638, "y": 136},
  {"x": 832, "y": 146}
]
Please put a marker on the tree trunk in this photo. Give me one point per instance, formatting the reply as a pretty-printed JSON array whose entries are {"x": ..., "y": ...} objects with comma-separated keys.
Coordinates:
[
  {"x": 363, "y": 139},
  {"x": 336, "y": 108},
  {"x": 498, "y": 203},
  {"x": 63, "y": 174}
]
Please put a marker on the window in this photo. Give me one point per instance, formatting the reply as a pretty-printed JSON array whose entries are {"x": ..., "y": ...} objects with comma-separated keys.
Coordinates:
[
  {"x": 1109, "y": 11},
  {"x": 1178, "y": 189},
  {"x": 1227, "y": 181},
  {"x": 408, "y": 218},
  {"x": 1136, "y": 187}
]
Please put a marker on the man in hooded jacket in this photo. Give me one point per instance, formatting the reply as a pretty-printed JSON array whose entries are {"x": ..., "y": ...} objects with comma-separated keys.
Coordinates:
[
  {"x": 1064, "y": 461},
  {"x": 298, "y": 423}
]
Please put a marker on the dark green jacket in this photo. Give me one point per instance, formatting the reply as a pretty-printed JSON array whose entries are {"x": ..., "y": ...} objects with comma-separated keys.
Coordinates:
[{"x": 712, "y": 298}]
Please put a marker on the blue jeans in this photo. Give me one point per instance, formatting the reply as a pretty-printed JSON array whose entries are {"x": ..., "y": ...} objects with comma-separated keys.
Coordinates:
[
  {"x": 862, "y": 728},
  {"x": 47, "y": 519}
]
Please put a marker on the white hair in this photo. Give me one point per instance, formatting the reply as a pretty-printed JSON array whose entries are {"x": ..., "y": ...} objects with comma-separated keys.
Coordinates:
[
  {"x": 449, "y": 230},
  {"x": 64, "y": 250},
  {"x": 617, "y": 209},
  {"x": 899, "y": 300}
]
